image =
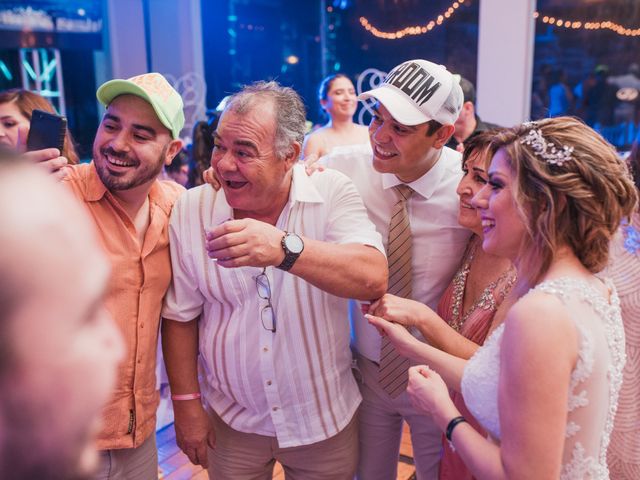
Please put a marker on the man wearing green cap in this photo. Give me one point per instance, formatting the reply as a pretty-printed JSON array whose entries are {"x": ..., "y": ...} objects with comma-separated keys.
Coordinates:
[{"x": 130, "y": 206}]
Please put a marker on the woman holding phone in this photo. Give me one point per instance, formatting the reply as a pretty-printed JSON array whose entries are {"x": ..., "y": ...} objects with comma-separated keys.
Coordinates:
[{"x": 16, "y": 109}]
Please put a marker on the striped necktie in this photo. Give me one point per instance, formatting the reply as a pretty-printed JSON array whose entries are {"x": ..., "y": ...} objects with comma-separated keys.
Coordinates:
[{"x": 393, "y": 375}]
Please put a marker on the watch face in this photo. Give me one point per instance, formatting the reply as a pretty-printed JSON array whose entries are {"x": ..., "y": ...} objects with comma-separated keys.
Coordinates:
[{"x": 294, "y": 243}]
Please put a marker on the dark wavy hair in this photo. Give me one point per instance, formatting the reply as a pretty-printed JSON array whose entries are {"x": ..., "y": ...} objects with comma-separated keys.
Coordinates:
[{"x": 481, "y": 142}]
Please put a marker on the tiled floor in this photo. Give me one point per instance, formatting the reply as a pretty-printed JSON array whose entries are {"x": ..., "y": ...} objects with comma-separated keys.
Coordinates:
[{"x": 174, "y": 465}]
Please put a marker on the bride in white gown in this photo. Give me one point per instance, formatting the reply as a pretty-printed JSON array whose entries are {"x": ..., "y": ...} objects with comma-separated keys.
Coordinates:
[{"x": 545, "y": 384}]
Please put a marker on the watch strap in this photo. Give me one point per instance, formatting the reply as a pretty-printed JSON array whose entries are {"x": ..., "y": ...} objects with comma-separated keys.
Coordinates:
[{"x": 289, "y": 256}]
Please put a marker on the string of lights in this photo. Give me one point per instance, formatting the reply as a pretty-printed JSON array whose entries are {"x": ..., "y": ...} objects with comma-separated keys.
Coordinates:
[
  {"x": 440, "y": 19},
  {"x": 607, "y": 24},
  {"x": 413, "y": 30}
]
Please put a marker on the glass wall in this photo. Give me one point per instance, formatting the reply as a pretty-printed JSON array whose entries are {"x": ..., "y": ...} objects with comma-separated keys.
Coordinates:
[
  {"x": 249, "y": 40},
  {"x": 379, "y": 34},
  {"x": 587, "y": 64},
  {"x": 299, "y": 42}
]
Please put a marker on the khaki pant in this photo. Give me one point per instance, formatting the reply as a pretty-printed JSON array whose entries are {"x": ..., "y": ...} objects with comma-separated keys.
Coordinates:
[
  {"x": 248, "y": 456},
  {"x": 129, "y": 463},
  {"x": 381, "y": 430}
]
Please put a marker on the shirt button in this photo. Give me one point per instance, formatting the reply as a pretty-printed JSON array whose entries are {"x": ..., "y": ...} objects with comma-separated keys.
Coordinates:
[
  {"x": 139, "y": 361},
  {"x": 265, "y": 349},
  {"x": 275, "y": 409},
  {"x": 268, "y": 382},
  {"x": 142, "y": 325}
]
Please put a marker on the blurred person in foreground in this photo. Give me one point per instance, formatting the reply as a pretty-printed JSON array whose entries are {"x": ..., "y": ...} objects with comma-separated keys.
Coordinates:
[{"x": 59, "y": 347}]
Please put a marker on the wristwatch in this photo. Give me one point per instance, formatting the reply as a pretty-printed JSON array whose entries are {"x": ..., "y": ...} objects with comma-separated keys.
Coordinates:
[{"x": 293, "y": 246}]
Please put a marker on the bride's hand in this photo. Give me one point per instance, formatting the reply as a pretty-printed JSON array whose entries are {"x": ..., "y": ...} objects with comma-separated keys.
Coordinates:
[
  {"x": 429, "y": 394},
  {"x": 405, "y": 343},
  {"x": 400, "y": 310}
]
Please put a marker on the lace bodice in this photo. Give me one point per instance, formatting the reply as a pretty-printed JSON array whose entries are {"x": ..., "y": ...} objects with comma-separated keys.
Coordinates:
[{"x": 594, "y": 385}]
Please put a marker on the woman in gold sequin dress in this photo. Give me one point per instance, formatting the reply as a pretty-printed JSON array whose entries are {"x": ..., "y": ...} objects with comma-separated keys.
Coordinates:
[
  {"x": 623, "y": 455},
  {"x": 467, "y": 309}
]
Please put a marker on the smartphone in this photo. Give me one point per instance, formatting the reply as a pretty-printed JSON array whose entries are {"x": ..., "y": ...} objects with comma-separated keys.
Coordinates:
[{"x": 47, "y": 130}]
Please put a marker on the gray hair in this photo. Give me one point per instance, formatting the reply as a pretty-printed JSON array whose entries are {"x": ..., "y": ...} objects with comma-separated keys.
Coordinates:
[{"x": 290, "y": 114}]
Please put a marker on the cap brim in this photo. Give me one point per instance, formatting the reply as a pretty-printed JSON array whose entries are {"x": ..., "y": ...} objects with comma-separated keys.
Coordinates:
[
  {"x": 401, "y": 109},
  {"x": 114, "y": 88}
]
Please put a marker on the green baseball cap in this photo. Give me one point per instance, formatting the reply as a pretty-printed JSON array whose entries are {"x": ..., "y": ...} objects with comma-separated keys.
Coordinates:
[{"x": 153, "y": 88}]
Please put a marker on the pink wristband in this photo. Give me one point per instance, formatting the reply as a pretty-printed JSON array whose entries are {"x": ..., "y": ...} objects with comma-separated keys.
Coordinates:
[{"x": 186, "y": 396}]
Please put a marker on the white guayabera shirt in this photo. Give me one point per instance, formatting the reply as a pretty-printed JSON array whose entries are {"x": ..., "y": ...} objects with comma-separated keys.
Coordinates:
[{"x": 295, "y": 384}]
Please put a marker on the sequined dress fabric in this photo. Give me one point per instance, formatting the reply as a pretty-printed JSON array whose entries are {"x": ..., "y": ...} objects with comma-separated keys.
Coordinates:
[
  {"x": 594, "y": 384},
  {"x": 624, "y": 271}
]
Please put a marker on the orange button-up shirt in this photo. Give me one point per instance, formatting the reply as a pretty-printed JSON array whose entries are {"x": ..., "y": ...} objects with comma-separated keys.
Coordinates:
[{"x": 139, "y": 281}]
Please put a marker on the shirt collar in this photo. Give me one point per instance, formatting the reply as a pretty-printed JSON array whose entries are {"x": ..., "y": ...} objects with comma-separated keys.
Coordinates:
[
  {"x": 302, "y": 188},
  {"x": 425, "y": 185},
  {"x": 95, "y": 187}
]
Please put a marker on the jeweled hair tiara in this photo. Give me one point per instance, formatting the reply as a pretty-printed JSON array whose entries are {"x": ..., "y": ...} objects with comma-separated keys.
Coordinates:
[{"x": 544, "y": 149}]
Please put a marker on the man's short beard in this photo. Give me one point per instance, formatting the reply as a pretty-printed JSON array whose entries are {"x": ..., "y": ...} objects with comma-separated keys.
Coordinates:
[{"x": 114, "y": 183}]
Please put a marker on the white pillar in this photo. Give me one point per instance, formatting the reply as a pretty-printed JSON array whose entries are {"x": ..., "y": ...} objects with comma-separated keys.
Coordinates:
[
  {"x": 125, "y": 39},
  {"x": 175, "y": 33},
  {"x": 505, "y": 60},
  {"x": 175, "y": 47},
  {"x": 176, "y": 37}
]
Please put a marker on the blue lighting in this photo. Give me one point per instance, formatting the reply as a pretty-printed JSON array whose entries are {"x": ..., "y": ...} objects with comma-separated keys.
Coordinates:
[{"x": 5, "y": 71}]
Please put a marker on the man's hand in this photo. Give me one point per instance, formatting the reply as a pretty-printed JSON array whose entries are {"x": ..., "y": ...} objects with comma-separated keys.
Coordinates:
[
  {"x": 50, "y": 159},
  {"x": 246, "y": 242},
  {"x": 194, "y": 430},
  {"x": 400, "y": 310}
]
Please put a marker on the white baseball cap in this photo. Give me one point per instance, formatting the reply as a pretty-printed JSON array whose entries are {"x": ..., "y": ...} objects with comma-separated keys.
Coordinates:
[{"x": 417, "y": 91}]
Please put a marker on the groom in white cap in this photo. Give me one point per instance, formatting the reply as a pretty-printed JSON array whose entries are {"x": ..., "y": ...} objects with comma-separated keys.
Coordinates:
[
  {"x": 138, "y": 134},
  {"x": 409, "y": 187}
]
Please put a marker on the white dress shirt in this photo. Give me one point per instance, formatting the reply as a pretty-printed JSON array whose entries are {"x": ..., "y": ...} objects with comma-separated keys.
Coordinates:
[
  {"x": 295, "y": 384},
  {"x": 438, "y": 240}
]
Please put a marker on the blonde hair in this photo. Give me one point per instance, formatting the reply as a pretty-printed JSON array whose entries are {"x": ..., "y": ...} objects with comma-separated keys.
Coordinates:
[{"x": 579, "y": 203}]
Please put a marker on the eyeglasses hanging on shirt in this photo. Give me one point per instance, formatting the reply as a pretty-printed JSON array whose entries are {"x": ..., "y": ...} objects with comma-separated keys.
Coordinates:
[{"x": 267, "y": 313}]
